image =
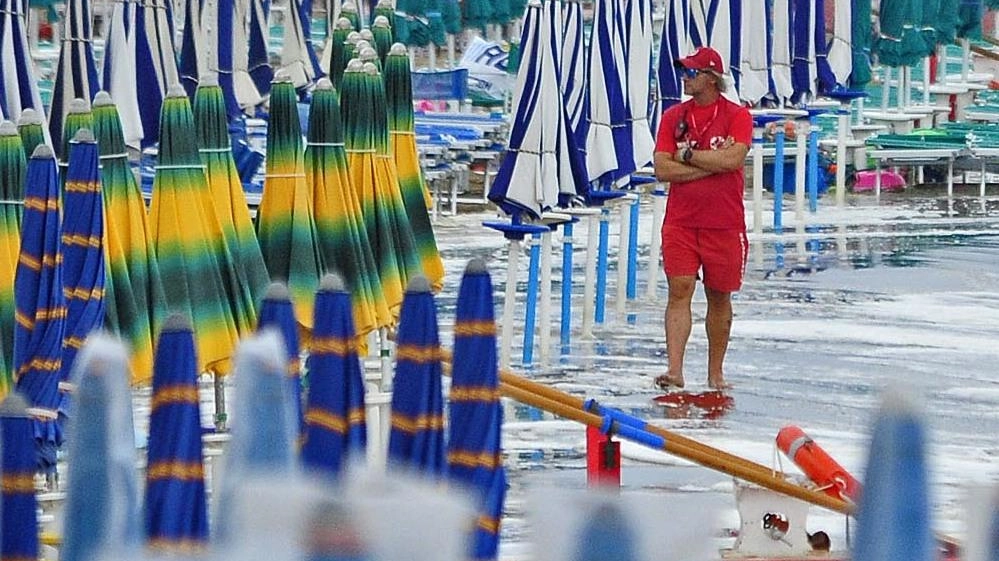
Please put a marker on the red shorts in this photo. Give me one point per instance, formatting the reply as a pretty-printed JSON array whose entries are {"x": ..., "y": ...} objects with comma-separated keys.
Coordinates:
[{"x": 720, "y": 254}]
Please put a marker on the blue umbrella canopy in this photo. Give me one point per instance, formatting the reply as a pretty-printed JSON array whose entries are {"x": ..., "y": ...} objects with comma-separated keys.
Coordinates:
[
  {"x": 335, "y": 425},
  {"x": 416, "y": 439},
  {"x": 176, "y": 509},
  {"x": 83, "y": 267},
  {"x": 102, "y": 507},
  {"x": 893, "y": 517},
  {"x": 39, "y": 302},
  {"x": 18, "y": 507},
  {"x": 76, "y": 75},
  {"x": 277, "y": 312},
  {"x": 263, "y": 427},
  {"x": 672, "y": 46},
  {"x": 608, "y": 141},
  {"x": 474, "y": 453},
  {"x": 638, "y": 67},
  {"x": 572, "y": 74},
  {"x": 755, "y": 64},
  {"x": 810, "y": 71},
  {"x": 18, "y": 84}
]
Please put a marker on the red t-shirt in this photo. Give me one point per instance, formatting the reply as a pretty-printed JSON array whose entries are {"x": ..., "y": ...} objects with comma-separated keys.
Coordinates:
[{"x": 714, "y": 201}]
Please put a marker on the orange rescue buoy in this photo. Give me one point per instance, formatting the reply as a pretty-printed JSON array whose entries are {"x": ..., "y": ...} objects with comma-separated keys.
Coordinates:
[{"x": 819, "y": 466}]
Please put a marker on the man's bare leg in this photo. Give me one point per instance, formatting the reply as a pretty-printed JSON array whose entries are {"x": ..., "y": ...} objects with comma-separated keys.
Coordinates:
[
  {"x": 678, "y": 325},
  {"x": 718, "y": 324}
]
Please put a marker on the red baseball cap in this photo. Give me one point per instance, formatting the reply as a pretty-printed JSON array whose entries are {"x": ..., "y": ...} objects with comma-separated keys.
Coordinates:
[{"x": 704, "y": 58}]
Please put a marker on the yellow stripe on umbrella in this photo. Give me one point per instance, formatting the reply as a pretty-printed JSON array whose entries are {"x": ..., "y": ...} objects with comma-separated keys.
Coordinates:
[{"x": 12, "y": 167}]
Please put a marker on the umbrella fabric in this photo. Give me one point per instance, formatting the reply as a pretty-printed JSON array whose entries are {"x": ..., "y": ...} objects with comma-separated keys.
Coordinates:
[
  {"x": 31, "y": 130},
  {"x": 810, "y": 68},
  {"x": 18, "y": 505},
  {"x": 476, "y": 13},
  {"x": 899, "y": 42},
  {"x": 572, "y": 75},
  {"x": 263, "y": 427},
  {"x": 186, "y": 235},
  {"x": 286, "y": 226},
  {"x": 718, "y": 24},
  {"x": 247, "y": 91},
  {"x": 334, "y": 56},
  {"x": 893, "y": 516},
  {"x": 12, "y": 168},
  {"x": 298, "y": 58},
  {"x": 76, "y": 75},
  {"x": 343, "y": 239},
  {"x": 118, "y": 69},
  {"x": 638, "y": 65},
  {"x": 382, "y": 32},
  {"x": 969, "y": 24},
  {"x": 570, "y": 160},
  {"x": 192, "y": 62},
  {"x": 176, "y": 509},
  {"x": 359, "y": 114},
  {"x": 18, "y": 84},
  {"x": 83, "y": 267},
  {"x": 755, "y": 66},
  {"x": 349, "y": 10},
  {"x": 943, "y": 20},
  {"x": 40, "y": 305},
  {"x": 415, "y": 196},
  {"x": 276, "y": 312},
  {"x": 674, "y": 45},
  {"x": 474, "y": 453},
  {"x": 780, "y": 64},
  {"x": 608, "y": 142},
  {"x": 134, "y": 300},
  {"x": 247, "y": 279},
  {"x": 335, "y": 428},
  {"x": 416, "y": 438},
  {"x": 841, "y": 45},
  {"x": 78, "y": 117},
  {"x": 824, "y": 74},
  {"x": 102, "y": 507},
  {"x": 257, "y": 59},
  {"x": 860, "y": 35}
]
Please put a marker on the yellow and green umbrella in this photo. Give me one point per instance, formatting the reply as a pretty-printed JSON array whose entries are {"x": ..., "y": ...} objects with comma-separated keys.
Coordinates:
[
  {"x": 79, "y": 117},
  {"x": 343, "y": 239},
  {"x": 415, "y": 196},
  {"x": 12, "y": 168},
  {"x": 286, "y": 226},
  {"x": 248, "y": 281},
  {"x": 381, "y": 31},
  {"x": 32, "y": 130},
  {"x": 186, "y": 234},
  {"x": 335, "y": 57},
  {"x": 134, "y": 300}
]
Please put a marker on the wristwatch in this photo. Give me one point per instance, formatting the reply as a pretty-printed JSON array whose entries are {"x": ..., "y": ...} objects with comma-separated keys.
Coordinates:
[{"x": 686, "y": 154}]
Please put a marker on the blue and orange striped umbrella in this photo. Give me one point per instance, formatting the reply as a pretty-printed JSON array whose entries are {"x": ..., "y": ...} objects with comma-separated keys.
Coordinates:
[
  {"x": 176, "y": 509},
  {"x": 39, "y": 302},
  {"x": 277, "y": 312},
  {"x": 18, "y": 506},
  {"x": 335, "y": 424},
  {"x": 474, "y": 453},
  {"x": 12, "y": 168},
  {"x": 102, "y": 500},
  {"x": 83, "y": 267},
  {"x": 416, "y": 439}
]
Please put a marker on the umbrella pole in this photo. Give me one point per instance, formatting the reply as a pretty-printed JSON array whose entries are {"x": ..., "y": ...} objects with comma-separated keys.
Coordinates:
[
  {"x": 509, "y": 301},
  {"x": 886, "y": 88},
  {"x": 926, "y": 81},
  {"x": 624, "y": 249},
  {"x": 757, "y": 182},
  {"x": 545, "y": 311},
  {"x": 450, "y": 51},
  {"x": 221, "y": 417},
  {"x": 565, "y": 325},
  {"x": 965, "y": 59},
  {"x": 779, "y": 179},
  {"x": 813, "y": 164},
  {"x": 801, "y": 155},
  {"x": 843, "y": 122},
  {"x": 655, "y": 243},
  {"x": 385, "y": 359},
  {"x": 589, "y": 285},
  {"x": 633, "y": 247},
  {"x": 598, "y": 313},
  {"x": 532, "y": 300}
]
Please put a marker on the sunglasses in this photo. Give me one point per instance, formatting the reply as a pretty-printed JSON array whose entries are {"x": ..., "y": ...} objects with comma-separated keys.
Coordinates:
[{"x": 691, "y": 73}]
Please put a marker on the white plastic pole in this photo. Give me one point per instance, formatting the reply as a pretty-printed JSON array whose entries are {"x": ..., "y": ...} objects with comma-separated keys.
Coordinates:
[
  {"x": 509, "y": 302},
  {"x": 965, "y": 59},
  {"x": 450, "y": 51},
  {"x": 656, "y": 239},
  {"x": 800, "y": 161},
  {"x": 590, "y": 284},
  {"x": 385, "y": 359},
  {"x": 926, "y": 81},
  {"x": 843, "y": 122},
  {"x": 758, "y": 183},
  {"x": 622, "y": 255},
  {"x": 545, "y": 304}
]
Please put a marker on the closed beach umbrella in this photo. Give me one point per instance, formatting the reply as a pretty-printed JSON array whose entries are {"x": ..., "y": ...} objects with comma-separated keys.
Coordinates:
[
  {"x": 40, "y": 305},
  {"x": 638, "y": 66},
  {"x": 572, "y": 73},
  {"x": 133, "y": 299},
  {"x": 969, "y": 24},
  {"x": 860, "y": 36},
  {"x": 206, "y": 51},
  {"x": 899, "y": 42},
  {"x": 608, "y": 141},
  {"x": 343, "y": 239},
  {"x": 253, "y": 57},
  {"x": 155, "y": 58},
  {"x": 780, "y": 56},
  {"x": 416, "y": 439},
  {"x": 18, "y": 506},
  {"x": 83, "y": 267},
  {"x": 334, "y": 56},
  {"x": 257, "y": 58},
  {"x": 76, "y": 75},
  {"x": 718, "y": 24},
  {"x": 893, "y": 516},
  {"x": 12, "y": 169},
  {"x": 185, "y": 235},
  {"x": 102, "y": 503},
  {"x": 474, "y": 452},
  {"x": 755, "y": 66},
  {"x": 841, "y": 45},
  {"x": 415, "y": 196},
  {"x": 277, "y": 312},
  {"x": 119, "y": 68},
  {"x": 32, "y": 131},
  {"x": 335, "y": 424},
  {"x": 381, "y": 30},
  {"x": 176, "y": 509},
  {"x": 247, "y": 277},
  {"x": 18, "y": 84},
  {"x": 286, "y": 226},
  {"x": 298, "y": 57},
  {"x": 810, "y": 72},
  {"x": 78, "y": 117}
]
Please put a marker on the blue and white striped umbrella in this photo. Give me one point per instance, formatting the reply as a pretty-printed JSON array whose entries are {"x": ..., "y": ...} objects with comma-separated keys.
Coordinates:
[
  {"x": 755, "y": 64},
  {"x": 298, "y": 57},
  {"x": 718, "y": 24},
  {"x": 76, "y": 75},
  {"x": 474, "y": 451},
  {"x": 573, "y": 71},
  {"x": 18, "y": 505},
  {"x": 102, "y": 504},
  {"x": 253, "y": 62},
  {"x": 206, "y": 51},
  {"x": 83, "y": 263},
  {"x": 18, "y": 84},
  {"x": 810, "y": 72},
  {"x": 638, "y": 67},
  {"x": 608, "y": 141},
  {"x": 570, "y": 168},
  {"x": 841, "y": 47},
  {"x": 780, "y": 57},
  {"x": 675, "y": 44},
  {"x": 40, "y": 305}
]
